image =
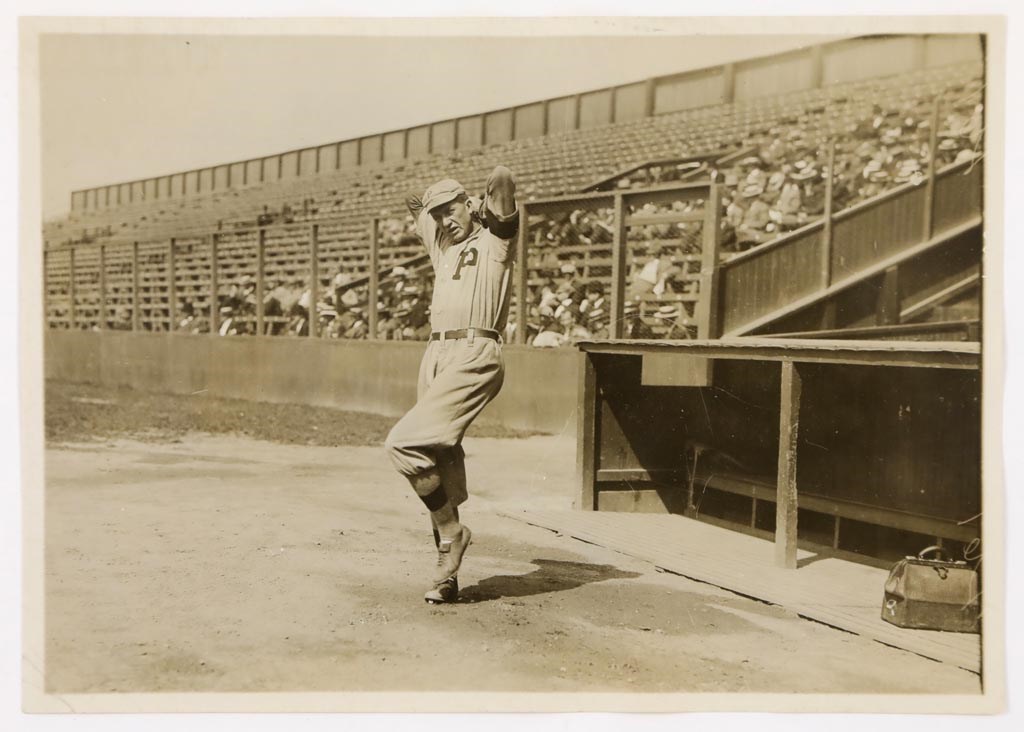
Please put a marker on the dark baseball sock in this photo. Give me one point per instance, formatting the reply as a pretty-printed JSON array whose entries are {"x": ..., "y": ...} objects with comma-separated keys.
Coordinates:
[{"x": 445, "y": 516}]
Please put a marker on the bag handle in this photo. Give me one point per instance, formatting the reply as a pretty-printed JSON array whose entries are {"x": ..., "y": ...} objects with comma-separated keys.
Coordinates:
[{"x": 938, "y": 550}]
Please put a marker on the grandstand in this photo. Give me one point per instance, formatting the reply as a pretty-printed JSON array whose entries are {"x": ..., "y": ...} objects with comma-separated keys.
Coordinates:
[{"x": 267, "y": 208}]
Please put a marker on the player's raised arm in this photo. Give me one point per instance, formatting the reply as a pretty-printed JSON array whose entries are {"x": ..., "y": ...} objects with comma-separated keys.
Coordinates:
[
  {"x": 499, "y": 208},
  {"x": 426, "y": 229}
]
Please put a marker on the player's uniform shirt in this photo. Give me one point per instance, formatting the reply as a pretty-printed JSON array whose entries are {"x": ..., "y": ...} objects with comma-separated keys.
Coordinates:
[{"x": 468, "y": 277}]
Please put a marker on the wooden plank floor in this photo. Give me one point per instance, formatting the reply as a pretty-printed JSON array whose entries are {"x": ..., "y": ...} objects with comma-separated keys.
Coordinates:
[{"x": 839, "y": 593}]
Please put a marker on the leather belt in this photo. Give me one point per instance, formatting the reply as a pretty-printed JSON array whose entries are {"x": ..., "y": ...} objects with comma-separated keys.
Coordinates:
[{"x": 449, "y": 335}]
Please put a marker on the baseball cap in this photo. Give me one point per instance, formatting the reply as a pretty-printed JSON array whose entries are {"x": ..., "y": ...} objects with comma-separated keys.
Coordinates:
[{"x": 441, "y": 193}]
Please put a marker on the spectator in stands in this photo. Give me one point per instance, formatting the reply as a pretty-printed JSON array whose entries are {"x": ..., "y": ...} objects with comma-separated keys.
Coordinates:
[
  {"x": 550, "y": 335},
  {"x": 123, "y": 321},
  {"x": 570, "y": 322},
  {"x": 357, "y": 325},
  {"x": 752, "y": 229},
  {"x": 273, "y": 310},
  {"x": 593, "y": 297},
  {"x": 633, "y": 324},
  {"x": 568, "y": 286},
  {"x": 672, "y": 322},
  {"x": 597, "y": 322},
  {"x": 338, "y": 283},
  {"x": 653, "y": 277},
  {"x": 786, "y": 210},
  {"x": 417, "y": 319},
  {"x": 387, "y": 324}
]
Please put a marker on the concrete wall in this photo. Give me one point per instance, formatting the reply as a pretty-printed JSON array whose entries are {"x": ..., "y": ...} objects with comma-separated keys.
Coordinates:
[
  {"x": 837, "y": 62},
  {"x": 539, "y": 391}
]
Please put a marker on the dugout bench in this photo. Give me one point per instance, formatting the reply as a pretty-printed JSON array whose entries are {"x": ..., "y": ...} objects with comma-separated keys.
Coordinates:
[{"x": 881, "y": 433}]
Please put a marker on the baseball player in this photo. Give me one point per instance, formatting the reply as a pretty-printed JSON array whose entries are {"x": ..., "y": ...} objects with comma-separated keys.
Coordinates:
[{"x": 470, "y": 242}]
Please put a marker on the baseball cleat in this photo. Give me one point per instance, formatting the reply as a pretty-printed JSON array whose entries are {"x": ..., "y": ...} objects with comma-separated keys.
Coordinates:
[
  {"x": 444, "y": 591},
  {"x": 450, "y": 553}
]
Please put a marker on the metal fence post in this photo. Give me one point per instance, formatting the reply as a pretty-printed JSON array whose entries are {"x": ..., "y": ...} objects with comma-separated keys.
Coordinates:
[
  {"x": 618, "y": 282},
  {"x": 314, "y": 280},
  {"x": 261, "y": 246},
  {"x": 522, "y": 278},
  {"x": 371, "y": 298},
  {"x": 172, "y": 288}
]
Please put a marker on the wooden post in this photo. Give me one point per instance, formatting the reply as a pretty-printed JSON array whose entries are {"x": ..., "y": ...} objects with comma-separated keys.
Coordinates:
[
  {"x": 522, "y": 277},
  {"x": 786, "y": 497},
  {"x": 707, "y": 306},
  {"x": 929, "y": 186},
  {"x": 887, "y": 311},
  {"x": 371, "y": 299},
  {"x": 172, "y": 287},
  {"x": 136, "y": 299},
  {"x": 650, "y": 96},
  {"x": 817, "y": 66},
  {"x": 728, "y": 83},
  {"x": 214, "y": 288},
  {"x": 586, "y": 424},
  {"x": 103, "y": 287},
  {"x": 619, "y": 247},
  {"x": 314, "y": 280},
  {"x": 826, "y": 231},
  {"x": 71, "y": 290},
  {"x": 261, "y": 252}
]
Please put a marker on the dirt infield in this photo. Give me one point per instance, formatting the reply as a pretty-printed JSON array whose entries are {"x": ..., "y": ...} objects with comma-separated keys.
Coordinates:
[{"x": 224, "y": 563}]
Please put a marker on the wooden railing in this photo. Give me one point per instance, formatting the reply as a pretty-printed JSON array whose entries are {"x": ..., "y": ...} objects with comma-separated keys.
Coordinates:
[
  {"x": 784, "y": 275},
  {"x": 149, "y": 281}
]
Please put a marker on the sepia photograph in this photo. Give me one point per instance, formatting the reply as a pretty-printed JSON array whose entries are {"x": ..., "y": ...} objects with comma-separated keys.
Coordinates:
[{"x": 533, "y": 364}]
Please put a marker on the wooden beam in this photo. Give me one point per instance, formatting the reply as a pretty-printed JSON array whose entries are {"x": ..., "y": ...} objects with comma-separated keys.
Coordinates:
[
  {"x": 826, "y": 231},
  {"x": 913, "y": 354},
  {"x": 103, "y": 287},
  {"x": 71, "y": 290},
  {"x": 214, "y": 288},
  {"x": 786, "y": 499},
  {"x": 944, "y": 295},
  {"x": 708, "y": 306},
  {"x": 671, "y": 217},
  {"x": 728, "y": 83},
  {"x": 889, "y": 332},
  {"x": 929, "y": 187},
  {"x": 314, "y": 280},
  {"x": 887, "y": 310},
  {"x": 586, "y": 433},
  {"x": 371, "y": 300},
  {"x": 650, "y": 91},
  {"x": 618, "y": 283},
  {"x": 172, "y": 290},
  {"x": 522, "y": 277},
  {"x": 261, "y": 264},
  {"x": 136, "y": 299}
]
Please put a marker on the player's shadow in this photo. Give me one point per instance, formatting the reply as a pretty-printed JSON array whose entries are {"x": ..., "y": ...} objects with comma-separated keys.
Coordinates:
[{"x": 550, "y": 576}]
